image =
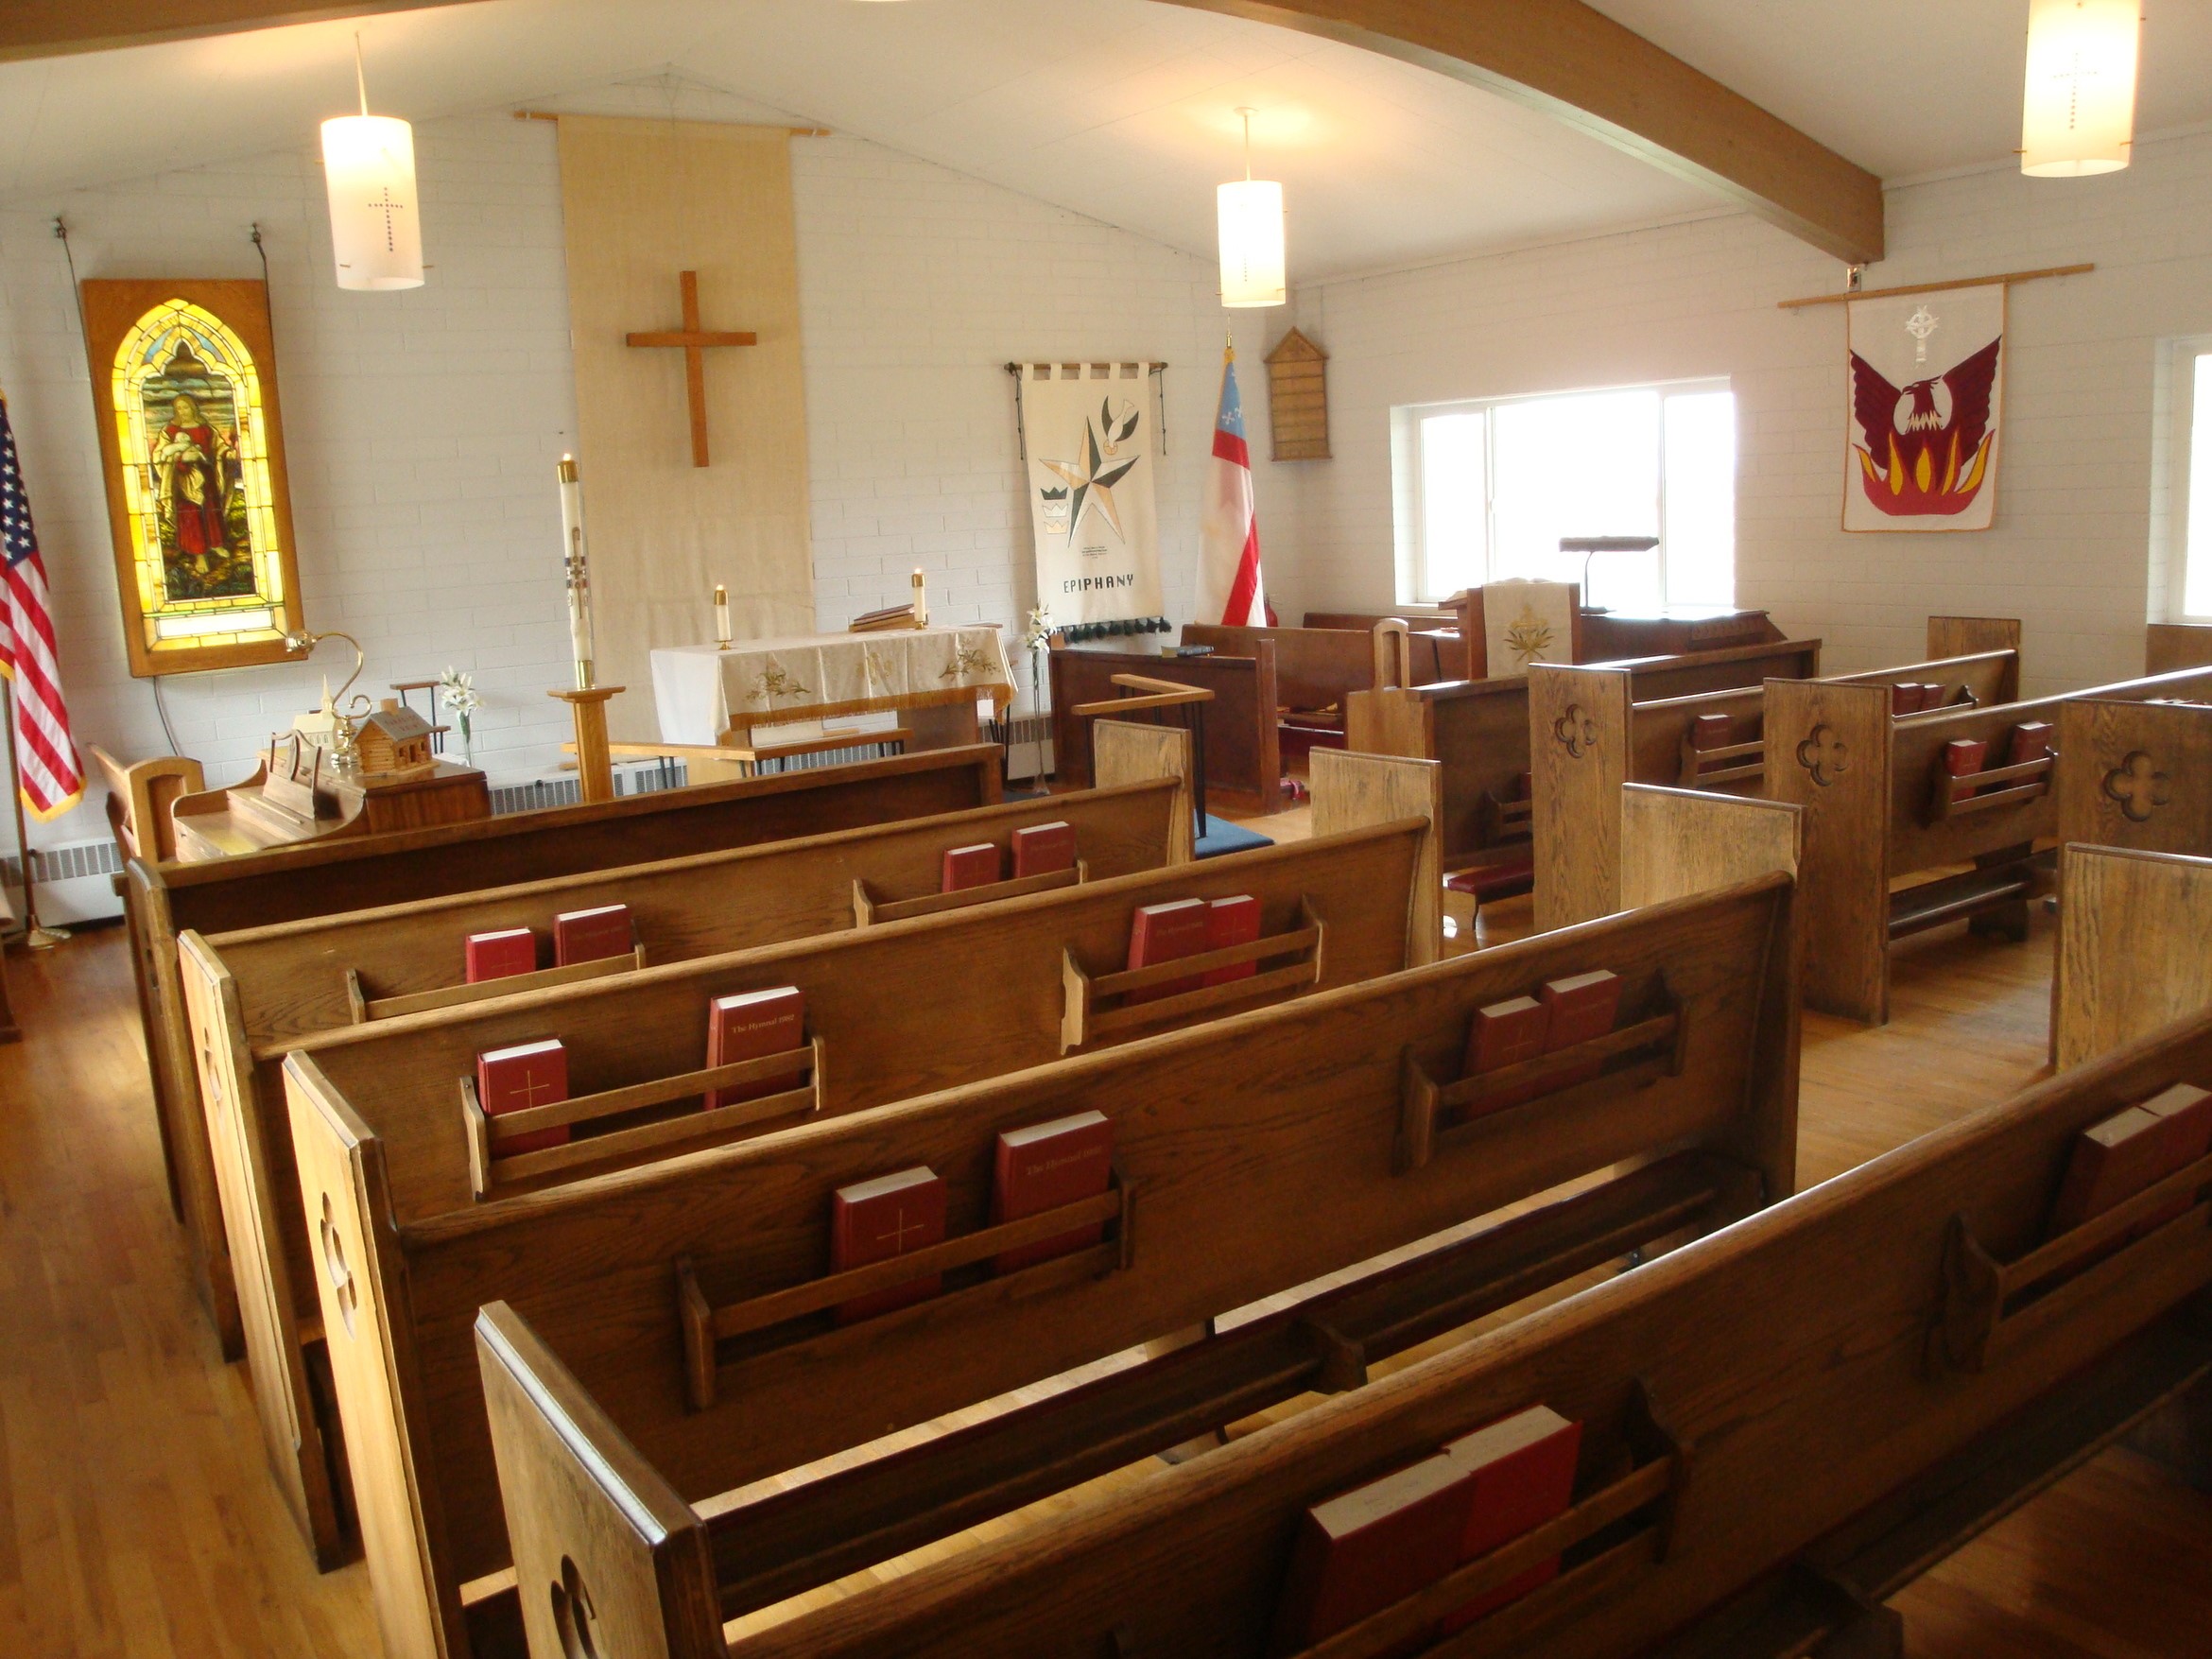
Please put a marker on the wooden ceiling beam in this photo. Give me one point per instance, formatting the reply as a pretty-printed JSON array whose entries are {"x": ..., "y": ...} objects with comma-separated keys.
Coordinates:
[
  {"x": 1579, "y": 66},
  {"x": 1559, "y": 56}
]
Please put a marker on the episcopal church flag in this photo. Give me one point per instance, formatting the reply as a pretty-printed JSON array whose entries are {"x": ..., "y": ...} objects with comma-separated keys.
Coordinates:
[
  {"x": 45, "y": 756},
  {"x": 1230, "y": 591}
]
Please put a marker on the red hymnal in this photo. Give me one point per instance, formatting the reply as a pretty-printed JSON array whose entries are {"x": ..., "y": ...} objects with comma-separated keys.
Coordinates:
[
  {"x": 585, "y": 936},
  {"x": 1503, "y": 1034},
  {"x": 1045, "y": 1167},
  {"x": 1931, "y": 696},
  {"x": 1964, "y": 756},
  {"x": 1581, "y": 1006},
  {"x": 500, "y": 955},
  {"x": 1043, "y": 848},
  {"x": 1711, "y": 732},
  {"x": 752, "y": 1025},
  {"x": 516, "y": 1079},
  {"x": 874, "y": 1220},
  {"x": 1232, "y": 921},
  {"x": 965, "y": 867},
  {"x": 1161, "y": 933},
  {"x": 2117, "y": 1159},
  {"x": 2030, "y": 741},
  {"x": 1523, "y": 1469},
  {"x": 1365, "y": 1550},
  {"x": 1905, "y": 696}
]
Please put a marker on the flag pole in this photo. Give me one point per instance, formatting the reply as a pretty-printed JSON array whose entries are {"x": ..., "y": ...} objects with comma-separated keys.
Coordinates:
[{"x": 35, "y": 937}]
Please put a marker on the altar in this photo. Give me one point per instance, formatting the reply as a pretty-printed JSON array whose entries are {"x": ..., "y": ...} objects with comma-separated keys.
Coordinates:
[{"x": 932, "y": 676}]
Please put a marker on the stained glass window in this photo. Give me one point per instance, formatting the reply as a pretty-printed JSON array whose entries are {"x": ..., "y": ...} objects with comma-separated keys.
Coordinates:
[{"x": 194, "y": 452}]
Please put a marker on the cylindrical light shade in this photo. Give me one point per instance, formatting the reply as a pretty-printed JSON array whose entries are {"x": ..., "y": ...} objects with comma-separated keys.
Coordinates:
[
  {"x": 2078, "y": 116},
  {"x": 368, "y": 166},
  {"x": 1251, "y": 214}
]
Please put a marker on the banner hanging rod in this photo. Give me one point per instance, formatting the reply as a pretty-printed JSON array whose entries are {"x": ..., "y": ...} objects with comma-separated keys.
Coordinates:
[{"x": 2008, "y": 277}]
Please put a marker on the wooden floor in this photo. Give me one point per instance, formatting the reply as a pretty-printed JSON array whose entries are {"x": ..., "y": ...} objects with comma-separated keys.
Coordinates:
[{"x": 136, "y": 1516}]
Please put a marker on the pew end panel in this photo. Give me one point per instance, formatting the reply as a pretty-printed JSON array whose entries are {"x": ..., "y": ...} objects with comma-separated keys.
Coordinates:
[
  {"x": 2131, "y": 958},
  {"x": 1353, "y": 791},
  {"x": 1577, "y": 763},
  {"x": 369, "y": 1328},
  {"x": 608, "y": 1557},
  {"x": 140, "y": 796},
  {"x": 2136, "y": 774},
  {"x": 1749, "y": 1377},
  {"x": 257, "y": 1226},
  {"x": 1828, "y": 751},
  {"x": 1124, "y": 752}
]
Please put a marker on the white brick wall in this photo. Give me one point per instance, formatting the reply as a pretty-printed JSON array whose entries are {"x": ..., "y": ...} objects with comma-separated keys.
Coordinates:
[
  {"x": 422, "y": 427},
  {"x": 2070, "y": 552}
]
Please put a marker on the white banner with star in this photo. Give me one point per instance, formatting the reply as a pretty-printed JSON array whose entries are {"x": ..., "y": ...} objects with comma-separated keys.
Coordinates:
[{"x": 1093, "y": 443}]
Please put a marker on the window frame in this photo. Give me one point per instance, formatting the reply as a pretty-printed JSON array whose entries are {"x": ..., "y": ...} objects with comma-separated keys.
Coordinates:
[
  {"x": 1415, "y": 582},
  {"x": 2171, "y": 492}
]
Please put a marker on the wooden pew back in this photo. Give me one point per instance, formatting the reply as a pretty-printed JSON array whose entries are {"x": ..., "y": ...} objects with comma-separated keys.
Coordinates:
[
  {"x": 1223, "y": 1130},
  {"x": 140, "y": 796},
  {"x": 253, "y": 994},
  {"x": 2131, "y": 952},
  {"x": 1243, "y": 753},
  {"x": 1315, "y": 667},
  {"x": 2168, "y": 645},
  {"x": 1743, "y": 1399},
  {"x": 161, "y": 901}
]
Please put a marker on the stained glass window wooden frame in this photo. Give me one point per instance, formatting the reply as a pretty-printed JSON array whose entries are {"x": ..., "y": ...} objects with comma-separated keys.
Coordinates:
[{"x": 185, "y": 389}]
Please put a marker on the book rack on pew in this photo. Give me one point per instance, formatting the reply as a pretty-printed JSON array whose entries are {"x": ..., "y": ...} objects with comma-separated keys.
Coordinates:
[
  {"x": 870, "y": 911},
  {"x": 706, "y": 1327},
  {"x": 1083, "y": 1020},
  {"x": 1657, "y": 1042},
  {"x": 1649, "y": 1492},
  {"x": 1957, "y": 794},
  {"x": 491, "y": 1169},
  {"x": 365, "y": 1008}
]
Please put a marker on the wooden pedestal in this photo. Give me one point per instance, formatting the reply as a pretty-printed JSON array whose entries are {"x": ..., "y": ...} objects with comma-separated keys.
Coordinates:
[{"x": 594, "y": 768}]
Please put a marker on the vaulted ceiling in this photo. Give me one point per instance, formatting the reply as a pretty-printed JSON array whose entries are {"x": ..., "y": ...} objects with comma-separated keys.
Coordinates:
[{"x": 1121, "y": 110}]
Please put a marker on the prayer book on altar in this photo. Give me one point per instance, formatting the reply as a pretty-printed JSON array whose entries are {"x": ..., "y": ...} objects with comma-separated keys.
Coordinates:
[
  {"x": 1371, "y": 1547},
  {"x": 966, "y": 867},
  {"x": 518, "y": 1078},
  {"x": 1581, "y": 1006},
  {"x": 1045, "y": 1167},
  {"x": 500, "y": 955},
  {"x": 1522, "y": 1470},
  {"x": 752, "y": 1025},
  {"x": 874, "y": 1220},
  {"x": 1234, "y": 920},
  {"x": 1041, "y": 848},
  {"x": 1162, "y": 933},
  {"x": 587, "y": 936}
]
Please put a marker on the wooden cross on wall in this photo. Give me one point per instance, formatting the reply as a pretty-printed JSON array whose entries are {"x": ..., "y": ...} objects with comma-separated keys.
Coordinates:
[{"x": 695, "y": 341}]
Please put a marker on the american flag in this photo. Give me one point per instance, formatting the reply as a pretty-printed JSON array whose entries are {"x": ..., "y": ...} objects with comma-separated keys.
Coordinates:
[
  {"x": 50, "y": 775},
  {"x": 1229, "y": 581}
]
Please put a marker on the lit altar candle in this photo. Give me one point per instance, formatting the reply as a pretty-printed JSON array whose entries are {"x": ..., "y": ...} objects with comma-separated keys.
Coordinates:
[
  {"x": 576, "y": 571},
  {"x": 722, "y": 616},
  {"x": 921, "y": 602}
]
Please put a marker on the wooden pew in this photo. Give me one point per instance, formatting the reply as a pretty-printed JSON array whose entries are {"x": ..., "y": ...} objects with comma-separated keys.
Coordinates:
[
  {"x": 255, "y": 995},
  {"x": 1783, "y": 1423},
  {"x": 1876, "y": 811},
  {"x": 161, "y": 900},
  {"x": 2142, "y": 780},
  {"x": 1243, "y": 752},
  {"x": 1317, "y": 670},
  {"x": 1599, "y": 635},
  {"x": 1312, "y": 1110},
  {"x": 1588, "y": 740},
  {"x": 2168, "y": 645},
  {"x": 2131, "y": 958},
  {"x": 1478, "y": 731}
]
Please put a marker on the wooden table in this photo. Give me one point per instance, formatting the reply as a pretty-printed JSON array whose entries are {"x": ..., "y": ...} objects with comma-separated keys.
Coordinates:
[{"x": 716, "y": 695}]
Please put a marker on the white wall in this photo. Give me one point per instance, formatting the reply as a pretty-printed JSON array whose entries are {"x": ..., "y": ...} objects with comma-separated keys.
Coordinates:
[
  {"x": 422, "y": 427},
  {"x": 2071, "y": 550}
]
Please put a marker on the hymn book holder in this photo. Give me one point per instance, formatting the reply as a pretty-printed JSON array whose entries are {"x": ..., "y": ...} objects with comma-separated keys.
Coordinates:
[
  {"x": 1082, "y": 1020},
  {"x": 1645, "y": 1501},
  {"x": 364, "y": 1008},
  {"x": 490, "y": 1168},
  {"x": 2005, "y": 785},
  {"x": 868, "y": 909},
  {"x": 1659, "y": 1042},
  {"x": 706, "y": 1327},
  {"x": 1990, "y": 1306},
  {"x": 1506, "y": 820},
  {"x": 1723, "y": 764}
]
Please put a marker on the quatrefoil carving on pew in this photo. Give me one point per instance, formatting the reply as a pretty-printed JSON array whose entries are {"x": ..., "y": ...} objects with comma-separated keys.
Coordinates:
[
  {"x": 1824, "y": 755},
  {"x": 2138, "y": 786},
  {"x": 574, "y": 1615},
  {"x": 343, "y": 1289},
  {"x": 1575, "y": 732}
]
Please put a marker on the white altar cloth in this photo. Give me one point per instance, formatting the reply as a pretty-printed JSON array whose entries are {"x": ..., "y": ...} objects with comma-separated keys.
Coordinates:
[{"x": 702, "y": 691}]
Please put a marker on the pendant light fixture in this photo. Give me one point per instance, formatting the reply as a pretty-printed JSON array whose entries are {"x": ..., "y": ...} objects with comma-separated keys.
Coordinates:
[
  {"x": 1251, "y": 218},
  {"x": 368, "y": 166},
  {"x": 2078, "y": 114}
]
